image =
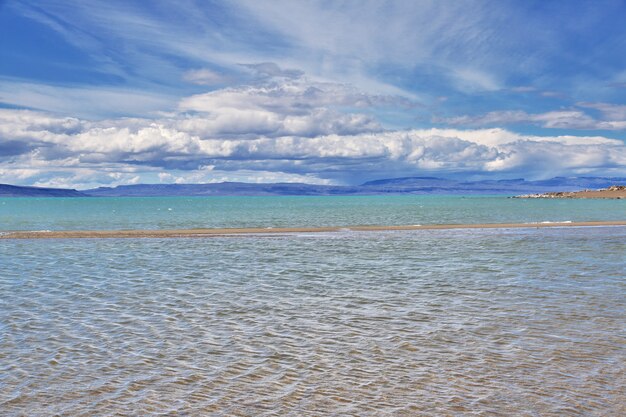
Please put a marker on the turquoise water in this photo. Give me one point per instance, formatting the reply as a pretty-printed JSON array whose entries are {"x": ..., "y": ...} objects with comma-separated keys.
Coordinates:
[
  {"x": 420, "y": 323},
  {"x": 212, "y": 212}
]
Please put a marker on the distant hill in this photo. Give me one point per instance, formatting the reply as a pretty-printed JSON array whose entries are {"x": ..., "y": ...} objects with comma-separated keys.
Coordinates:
[
  {"x": 17, "y": 191},
  {"x": 411, "y": 181},
  {"x": 406, "y": 185},
  {"x": 510, "y": 186},
  {"x": 222, "y": 189}
]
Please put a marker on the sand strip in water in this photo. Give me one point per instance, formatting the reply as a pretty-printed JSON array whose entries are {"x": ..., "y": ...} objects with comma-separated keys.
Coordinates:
[{"x": 78, "y": 234}]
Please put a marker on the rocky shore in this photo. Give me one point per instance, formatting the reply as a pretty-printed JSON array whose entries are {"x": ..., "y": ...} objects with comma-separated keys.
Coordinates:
[{"x": 614, "y": 191}]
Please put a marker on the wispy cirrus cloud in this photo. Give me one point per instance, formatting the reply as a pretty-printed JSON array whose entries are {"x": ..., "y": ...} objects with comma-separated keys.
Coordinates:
[
  {"x": 88, "y": 101},
  {"x": 205, "y": 76},
  {"x": 614, "y": 118},
  {"x": 378, "y": 46},
  {"x": 614, "y": 112}
]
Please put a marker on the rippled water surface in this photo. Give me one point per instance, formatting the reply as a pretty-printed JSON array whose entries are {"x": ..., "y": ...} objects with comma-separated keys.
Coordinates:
[{"x": 433, "y": 323}]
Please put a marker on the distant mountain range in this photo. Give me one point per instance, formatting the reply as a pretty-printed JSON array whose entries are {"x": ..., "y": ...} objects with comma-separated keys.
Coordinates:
[
  {"x": 17, "y": 191},
  {"x": 407, "y": 185}
]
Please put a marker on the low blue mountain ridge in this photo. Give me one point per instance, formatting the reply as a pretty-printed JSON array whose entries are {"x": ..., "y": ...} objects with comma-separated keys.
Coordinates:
[
  {"x": 17, "y": 191},
  {"x": 406, "y": 185}
]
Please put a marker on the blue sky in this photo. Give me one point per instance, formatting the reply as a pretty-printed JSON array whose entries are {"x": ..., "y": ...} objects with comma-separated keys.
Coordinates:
[{"x": 118, "y": 92}]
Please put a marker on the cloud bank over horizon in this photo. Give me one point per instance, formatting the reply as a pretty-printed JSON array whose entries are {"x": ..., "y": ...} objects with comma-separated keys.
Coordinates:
[
  {"x": 281, "y": 130},
  {"x": 105, "y": 93}
]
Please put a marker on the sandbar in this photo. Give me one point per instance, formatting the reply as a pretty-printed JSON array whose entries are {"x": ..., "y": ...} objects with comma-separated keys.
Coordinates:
[{"x": 199, "y": 233}]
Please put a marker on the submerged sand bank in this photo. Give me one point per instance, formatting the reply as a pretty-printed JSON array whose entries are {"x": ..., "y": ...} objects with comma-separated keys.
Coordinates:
[{"x": 95, "y": 234}]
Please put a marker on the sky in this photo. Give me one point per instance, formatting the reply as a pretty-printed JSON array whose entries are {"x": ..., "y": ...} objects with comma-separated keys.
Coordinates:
[{"x": 104, "y": 93}]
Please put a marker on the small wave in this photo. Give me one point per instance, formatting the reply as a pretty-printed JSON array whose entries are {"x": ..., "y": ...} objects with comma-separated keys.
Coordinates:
[{"x": 550, "y": 222}]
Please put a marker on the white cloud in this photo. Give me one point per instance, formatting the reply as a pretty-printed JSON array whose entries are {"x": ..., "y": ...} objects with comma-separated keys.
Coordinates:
[
  {"x": 205, "y": 76},
  {"x": 611, "y": 112},
  {"x": 291, "y": 107},
  {"x": 86, "y": 102},
  {"x": 558, "y": 119},
  {"x": 360, "y": 35},
  {"x": 343, "y": 42},
  {"x": 286, "y": 127},
  {"x": 292, "y": 96},
  {"x": 209, "y": 175},
  {"x": 79, "y": 153},
  {"x": 268, "y": 70},
  {"x": 472, "y": 80},
  {"x": 415, "y": 49}
]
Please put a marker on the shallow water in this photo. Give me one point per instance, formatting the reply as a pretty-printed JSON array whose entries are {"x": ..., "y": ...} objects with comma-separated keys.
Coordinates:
[
  {"x": 217, "y": 212},
  {"x": 473, "y": 322}
]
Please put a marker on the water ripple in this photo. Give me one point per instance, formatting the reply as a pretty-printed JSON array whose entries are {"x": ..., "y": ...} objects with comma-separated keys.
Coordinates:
[{"x": 477, "y": 323}]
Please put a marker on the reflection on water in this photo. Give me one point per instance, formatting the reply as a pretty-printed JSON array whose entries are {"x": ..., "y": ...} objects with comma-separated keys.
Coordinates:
[{"x": 490, "y": 322}]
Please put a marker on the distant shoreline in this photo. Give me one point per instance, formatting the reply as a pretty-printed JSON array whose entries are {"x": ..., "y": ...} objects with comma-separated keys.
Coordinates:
[
  {"x": 221, "y": 232},
  {"x": 389, "y": 186},
  {"x": 613, "y": 192}
]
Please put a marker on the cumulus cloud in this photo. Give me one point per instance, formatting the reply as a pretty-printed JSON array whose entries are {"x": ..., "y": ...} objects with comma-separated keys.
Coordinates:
[
  {"x": 293, "y": 96},
  {"x": 289, "y": 107},
  {"x": 285, "y": 127},
  {"x": 47, "y": 150}
]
